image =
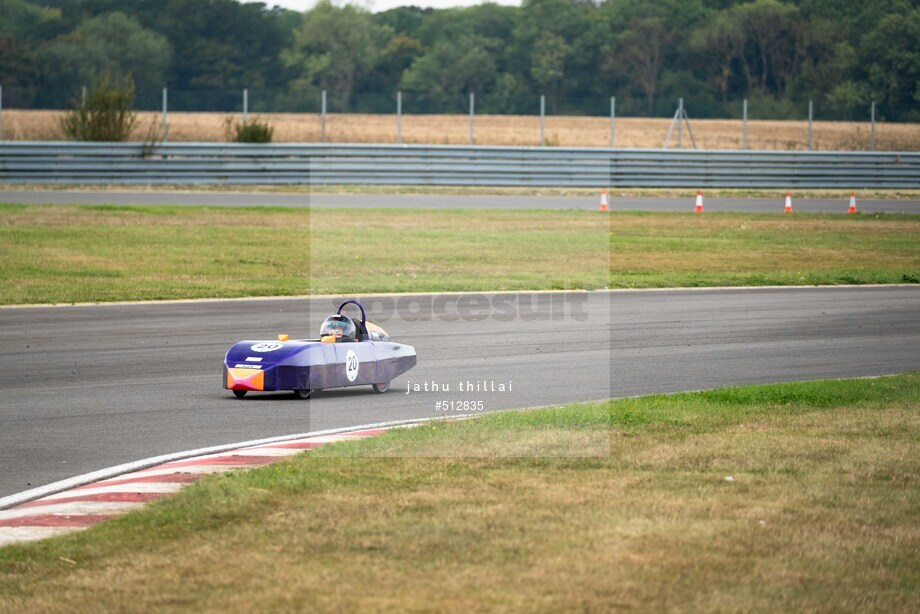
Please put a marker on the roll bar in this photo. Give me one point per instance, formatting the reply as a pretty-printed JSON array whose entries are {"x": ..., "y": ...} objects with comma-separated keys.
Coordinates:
[{"x": 360, "y": 306}]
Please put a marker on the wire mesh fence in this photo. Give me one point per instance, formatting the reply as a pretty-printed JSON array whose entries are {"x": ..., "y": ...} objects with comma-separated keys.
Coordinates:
[{"x": 491, "y": 118}]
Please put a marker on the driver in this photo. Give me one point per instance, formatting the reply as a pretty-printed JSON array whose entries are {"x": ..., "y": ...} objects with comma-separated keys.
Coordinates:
[{"x": 339, "y": 326}]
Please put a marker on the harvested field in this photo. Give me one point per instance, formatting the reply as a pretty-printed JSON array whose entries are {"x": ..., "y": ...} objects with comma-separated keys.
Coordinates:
[{"x": 501, "y": 130}]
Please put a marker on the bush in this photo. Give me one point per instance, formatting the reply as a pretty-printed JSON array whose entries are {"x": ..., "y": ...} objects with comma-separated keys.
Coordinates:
[
  {"x": 107, "y": 113},
  {"x": 254, "y": 131},
  {"x": 762, "y": 105},
  {"x": 850, "y": 100}
]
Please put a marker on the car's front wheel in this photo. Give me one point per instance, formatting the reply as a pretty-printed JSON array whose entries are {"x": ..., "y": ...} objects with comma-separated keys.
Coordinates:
[
  {"x": 381, "y": 388},
  {"x": 302, "y": 394},
  {"x": 239, "y": 393}
]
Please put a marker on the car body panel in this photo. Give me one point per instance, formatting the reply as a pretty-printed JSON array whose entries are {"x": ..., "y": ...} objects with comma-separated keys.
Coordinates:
[
  {"x": 314, "y": 365},
  {"x": 317, "y": 364}
]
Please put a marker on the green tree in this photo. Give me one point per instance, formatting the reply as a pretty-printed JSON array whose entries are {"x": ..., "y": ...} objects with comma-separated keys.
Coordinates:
[
  {"x": 440, "y": 79},
  {"x": 778, "y": 53},
  {"x": 334, "y": 49},
  {"x": 25, "y": 20},
  {"x": 850, "y": 100},
  {"x": 224, "y": 45},
  {"x": 404, "y": 20},
  {"x": 21, "y": 27},
  {"x": 720, "y": 45},
  {"x": 776, "y": 41},
  {"x": 647, "y": 37},
  {"x": 395, "y": 58},
  {"x": 548, "y": 61},
  {"x": 17, "y": 62},
  {"x": 640, "y": 55},
  {"x": 545, "y": 46},
  {"x": 113, "y": 43},
  {"x": 891, "y": 53}
]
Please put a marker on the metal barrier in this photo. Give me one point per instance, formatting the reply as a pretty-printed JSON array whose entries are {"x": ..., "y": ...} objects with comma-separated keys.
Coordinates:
[{"x": 295, "y": 163}]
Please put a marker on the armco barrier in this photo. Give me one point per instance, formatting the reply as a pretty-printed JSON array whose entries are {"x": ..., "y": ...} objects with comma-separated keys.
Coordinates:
[{"x": 295, "y": 163}]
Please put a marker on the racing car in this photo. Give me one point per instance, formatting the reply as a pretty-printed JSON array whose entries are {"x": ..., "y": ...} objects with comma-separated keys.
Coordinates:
[{"x": 348, "y": 353}]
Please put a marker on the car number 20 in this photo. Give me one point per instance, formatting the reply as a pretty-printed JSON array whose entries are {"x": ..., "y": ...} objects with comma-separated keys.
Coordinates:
[{"x": 351, "y": 365}]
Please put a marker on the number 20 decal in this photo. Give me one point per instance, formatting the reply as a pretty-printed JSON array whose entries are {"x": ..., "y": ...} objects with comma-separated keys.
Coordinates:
[{"x": 351, "y": 365}]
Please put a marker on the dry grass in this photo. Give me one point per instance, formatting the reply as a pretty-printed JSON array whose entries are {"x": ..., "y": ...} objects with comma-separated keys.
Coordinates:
[
  {"x": 502, "y": 130},
  {"x": 820, "y": 517},
  {"x": 688, "y": 193}
]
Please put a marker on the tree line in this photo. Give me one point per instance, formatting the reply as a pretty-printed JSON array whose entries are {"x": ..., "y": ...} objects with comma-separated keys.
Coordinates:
[{"x": 841, "y": 54}]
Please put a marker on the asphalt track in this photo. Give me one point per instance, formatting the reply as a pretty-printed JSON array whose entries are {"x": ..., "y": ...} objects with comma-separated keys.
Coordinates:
[
  {"x": 88, "y": 387},
  {"x": 448, "y": 201}
]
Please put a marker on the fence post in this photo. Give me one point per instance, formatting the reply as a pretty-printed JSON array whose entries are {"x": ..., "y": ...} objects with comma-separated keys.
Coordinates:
[
  {"x": 324, "y": 116},
  {"x": 667, "y": 139},
  {"x": 542, "y": 117},
  {"x": 165, "y": 124},
  {"x": 872, "y": 137},
  {"x": 680, "y": 123},
  {"x": 744, "y": 144},
  {"x": 83, "y": 97},
  {"x": 810, "y": 109},
  {"x": 245, "y": 105},
  {"x": 613, "y": 119},
  {"x": 689, "y": 129},
  {"x": 472, "y": 113},
  {"x": 399, "y": 118}
]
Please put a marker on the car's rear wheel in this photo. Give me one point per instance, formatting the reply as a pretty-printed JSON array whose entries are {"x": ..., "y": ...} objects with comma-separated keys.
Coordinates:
[
  {"x": 239, "y": 393},
  {"x": 381, "y": 388},
  {"x": 302, "y": 394}
]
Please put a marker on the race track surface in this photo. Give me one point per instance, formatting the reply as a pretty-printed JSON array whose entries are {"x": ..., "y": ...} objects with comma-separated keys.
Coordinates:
[
  {"x": 451, "y": 201},
  {"x": 88, "y": 387}
]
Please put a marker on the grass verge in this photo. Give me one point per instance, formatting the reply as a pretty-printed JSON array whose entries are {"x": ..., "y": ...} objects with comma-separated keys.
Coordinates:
[
  {"x": 820, "y": 516},
  {"x": 63, "y": 254},
  {"x": 688, "y": 193},
  {"x": 654, "y": 250}
]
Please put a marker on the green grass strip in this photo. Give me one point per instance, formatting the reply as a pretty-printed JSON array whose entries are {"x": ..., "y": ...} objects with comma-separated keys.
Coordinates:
[
  {"x": 589, "y": 506},
  {"x": 67, "y": 254}
]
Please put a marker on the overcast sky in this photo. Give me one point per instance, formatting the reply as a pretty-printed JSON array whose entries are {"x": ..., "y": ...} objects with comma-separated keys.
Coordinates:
[{"x": 383, "y": 5}]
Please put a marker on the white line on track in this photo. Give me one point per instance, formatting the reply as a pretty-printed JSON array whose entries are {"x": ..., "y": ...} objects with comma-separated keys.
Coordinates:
[
  {"x": 140, "y": 487},
  {"x": 238, "y": 299},
  {"x": 132, "y": 467},
  {"x": 71, "y": 508}
]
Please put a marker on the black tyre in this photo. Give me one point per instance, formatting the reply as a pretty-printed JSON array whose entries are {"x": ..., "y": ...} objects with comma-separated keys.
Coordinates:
[
  {"x": 302, "y": 394},
  {"x": 381, "y": 388},
  {"x": 239, "y": 393}
]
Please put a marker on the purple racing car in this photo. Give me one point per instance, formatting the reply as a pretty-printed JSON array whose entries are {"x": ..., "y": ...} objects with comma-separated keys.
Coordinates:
[{"x": 348, "y": 353}]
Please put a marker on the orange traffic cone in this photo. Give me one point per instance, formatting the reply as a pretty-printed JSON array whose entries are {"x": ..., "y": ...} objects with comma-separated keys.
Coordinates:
[
  {"x": 603, "y": 199},
  {"x": 788, "y": 207},
  {"x": 699, "y": 202},
  {"x": 852, "y": 208}
]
